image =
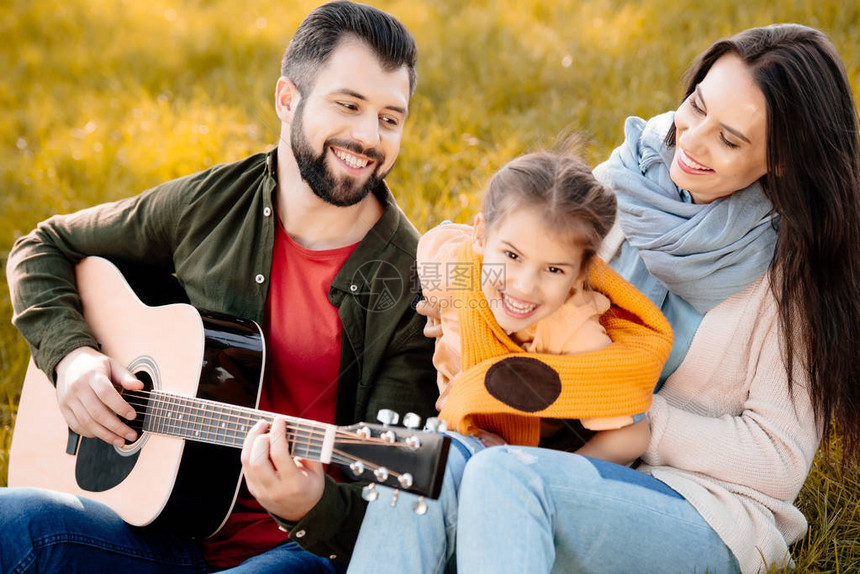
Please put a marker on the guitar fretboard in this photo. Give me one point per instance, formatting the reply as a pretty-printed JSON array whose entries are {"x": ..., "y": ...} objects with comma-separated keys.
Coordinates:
[{"x": 227, "y": 425}]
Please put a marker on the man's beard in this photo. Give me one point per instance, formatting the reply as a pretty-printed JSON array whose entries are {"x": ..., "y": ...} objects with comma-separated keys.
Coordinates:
[{"x": 318, "y": 176}]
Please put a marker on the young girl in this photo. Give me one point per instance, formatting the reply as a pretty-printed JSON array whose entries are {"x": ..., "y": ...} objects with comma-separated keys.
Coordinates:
[
  {"x": 525, "y": 279},
  {"x": 541, "y": 341}
]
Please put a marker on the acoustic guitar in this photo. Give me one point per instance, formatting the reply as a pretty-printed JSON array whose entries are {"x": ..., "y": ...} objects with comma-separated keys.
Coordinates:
[{"x": 202, "y": 374}]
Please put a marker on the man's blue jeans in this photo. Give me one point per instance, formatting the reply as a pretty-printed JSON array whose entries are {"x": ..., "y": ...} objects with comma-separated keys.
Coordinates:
[
  {"x": 519, "y": 509},
  {"x": 44, "y": 531}
]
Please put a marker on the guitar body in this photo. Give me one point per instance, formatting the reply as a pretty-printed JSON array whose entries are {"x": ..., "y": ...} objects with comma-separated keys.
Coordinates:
[{"x": 159, "y": 480}]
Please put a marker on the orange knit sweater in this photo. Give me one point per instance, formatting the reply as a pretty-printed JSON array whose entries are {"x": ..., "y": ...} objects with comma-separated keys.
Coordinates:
[{"x": 504, "y": 389}]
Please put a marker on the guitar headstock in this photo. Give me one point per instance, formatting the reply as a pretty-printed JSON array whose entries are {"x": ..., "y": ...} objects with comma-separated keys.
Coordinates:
[{"x": 407, "y": 458}]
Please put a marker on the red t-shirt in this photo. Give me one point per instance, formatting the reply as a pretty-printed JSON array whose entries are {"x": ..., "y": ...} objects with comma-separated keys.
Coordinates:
[{"x": 303, "y": 345}]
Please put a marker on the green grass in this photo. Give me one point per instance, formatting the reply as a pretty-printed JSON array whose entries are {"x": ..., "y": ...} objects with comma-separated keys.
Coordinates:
[{"x": 104, "y": 98}]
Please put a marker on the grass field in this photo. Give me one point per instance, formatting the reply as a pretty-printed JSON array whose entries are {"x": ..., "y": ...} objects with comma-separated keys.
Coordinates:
[{"x": 105, "y": 98}]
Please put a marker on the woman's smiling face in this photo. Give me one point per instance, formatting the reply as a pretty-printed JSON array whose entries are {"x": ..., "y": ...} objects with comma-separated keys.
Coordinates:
[{"x": 721, "y": 133}]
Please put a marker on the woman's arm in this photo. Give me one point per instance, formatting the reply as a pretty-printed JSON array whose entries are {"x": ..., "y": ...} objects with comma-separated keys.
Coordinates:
[{"x": 727, "y": 412}]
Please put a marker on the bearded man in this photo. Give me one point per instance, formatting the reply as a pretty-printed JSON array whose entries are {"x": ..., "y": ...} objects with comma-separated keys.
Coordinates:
[{"x": 307, "y": 241}]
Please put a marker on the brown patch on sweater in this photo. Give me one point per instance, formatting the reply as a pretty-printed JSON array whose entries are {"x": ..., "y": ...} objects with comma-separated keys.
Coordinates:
[{"x": 523, "y": 383}]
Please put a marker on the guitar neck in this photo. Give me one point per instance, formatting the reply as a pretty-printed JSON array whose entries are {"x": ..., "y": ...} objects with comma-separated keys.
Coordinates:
[
  {"x": 223, "y": 424},
  {"x": 398, "y": 457}
]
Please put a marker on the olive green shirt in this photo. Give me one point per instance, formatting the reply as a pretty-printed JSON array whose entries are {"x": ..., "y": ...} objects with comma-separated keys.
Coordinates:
[{"x": 215, "y": 231}]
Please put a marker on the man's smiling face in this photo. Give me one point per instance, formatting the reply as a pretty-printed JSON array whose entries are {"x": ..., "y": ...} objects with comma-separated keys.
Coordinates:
[{"x": 346, "y": 132}]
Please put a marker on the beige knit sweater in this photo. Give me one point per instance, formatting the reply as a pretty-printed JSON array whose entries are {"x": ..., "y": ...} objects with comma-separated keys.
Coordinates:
[{"x": 726, "y": 433}]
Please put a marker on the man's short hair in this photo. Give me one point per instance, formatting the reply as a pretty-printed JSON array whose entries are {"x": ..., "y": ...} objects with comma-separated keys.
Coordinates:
[{"x": 328, "y": 25}]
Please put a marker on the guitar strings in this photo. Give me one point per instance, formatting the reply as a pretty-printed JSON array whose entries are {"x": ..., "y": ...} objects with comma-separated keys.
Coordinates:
[
  {"x": 194, "y": 420},
  {"x": 242, "y": 414},
  {"x": 310, "y": 438},
  {"x": 338, "y": 455},
  {"x": 300, "y": 434},
  {"x": 198, "y": 408}
]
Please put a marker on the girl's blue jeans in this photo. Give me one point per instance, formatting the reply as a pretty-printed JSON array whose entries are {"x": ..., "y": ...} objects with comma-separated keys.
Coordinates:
[
  {"x": 45, "y": 531},
  {"x": 519, "y": 509}
]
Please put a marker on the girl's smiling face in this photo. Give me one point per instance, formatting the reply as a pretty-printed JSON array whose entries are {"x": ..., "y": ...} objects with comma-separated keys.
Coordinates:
[
  {"x": 720, "y": 143},
  {"x": 529, "y": 271}
]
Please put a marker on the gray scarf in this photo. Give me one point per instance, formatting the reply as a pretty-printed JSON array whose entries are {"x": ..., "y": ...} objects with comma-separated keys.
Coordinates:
[{"x": 702, "y": 253}]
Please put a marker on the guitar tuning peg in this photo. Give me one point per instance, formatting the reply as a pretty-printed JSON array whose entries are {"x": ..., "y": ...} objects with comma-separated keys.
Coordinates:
[
  {"x": 420, "y": 507},
  {"x": 411, "y": 421},
  {"x": 394, "y": 497},
  {"x": 405, "y": 480},
  {"x": 387, "y": 417},
  {"x": 369, "y": 493},
  {"x": 434, "y": 424},
  {"x": 381, "y": 474}
]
